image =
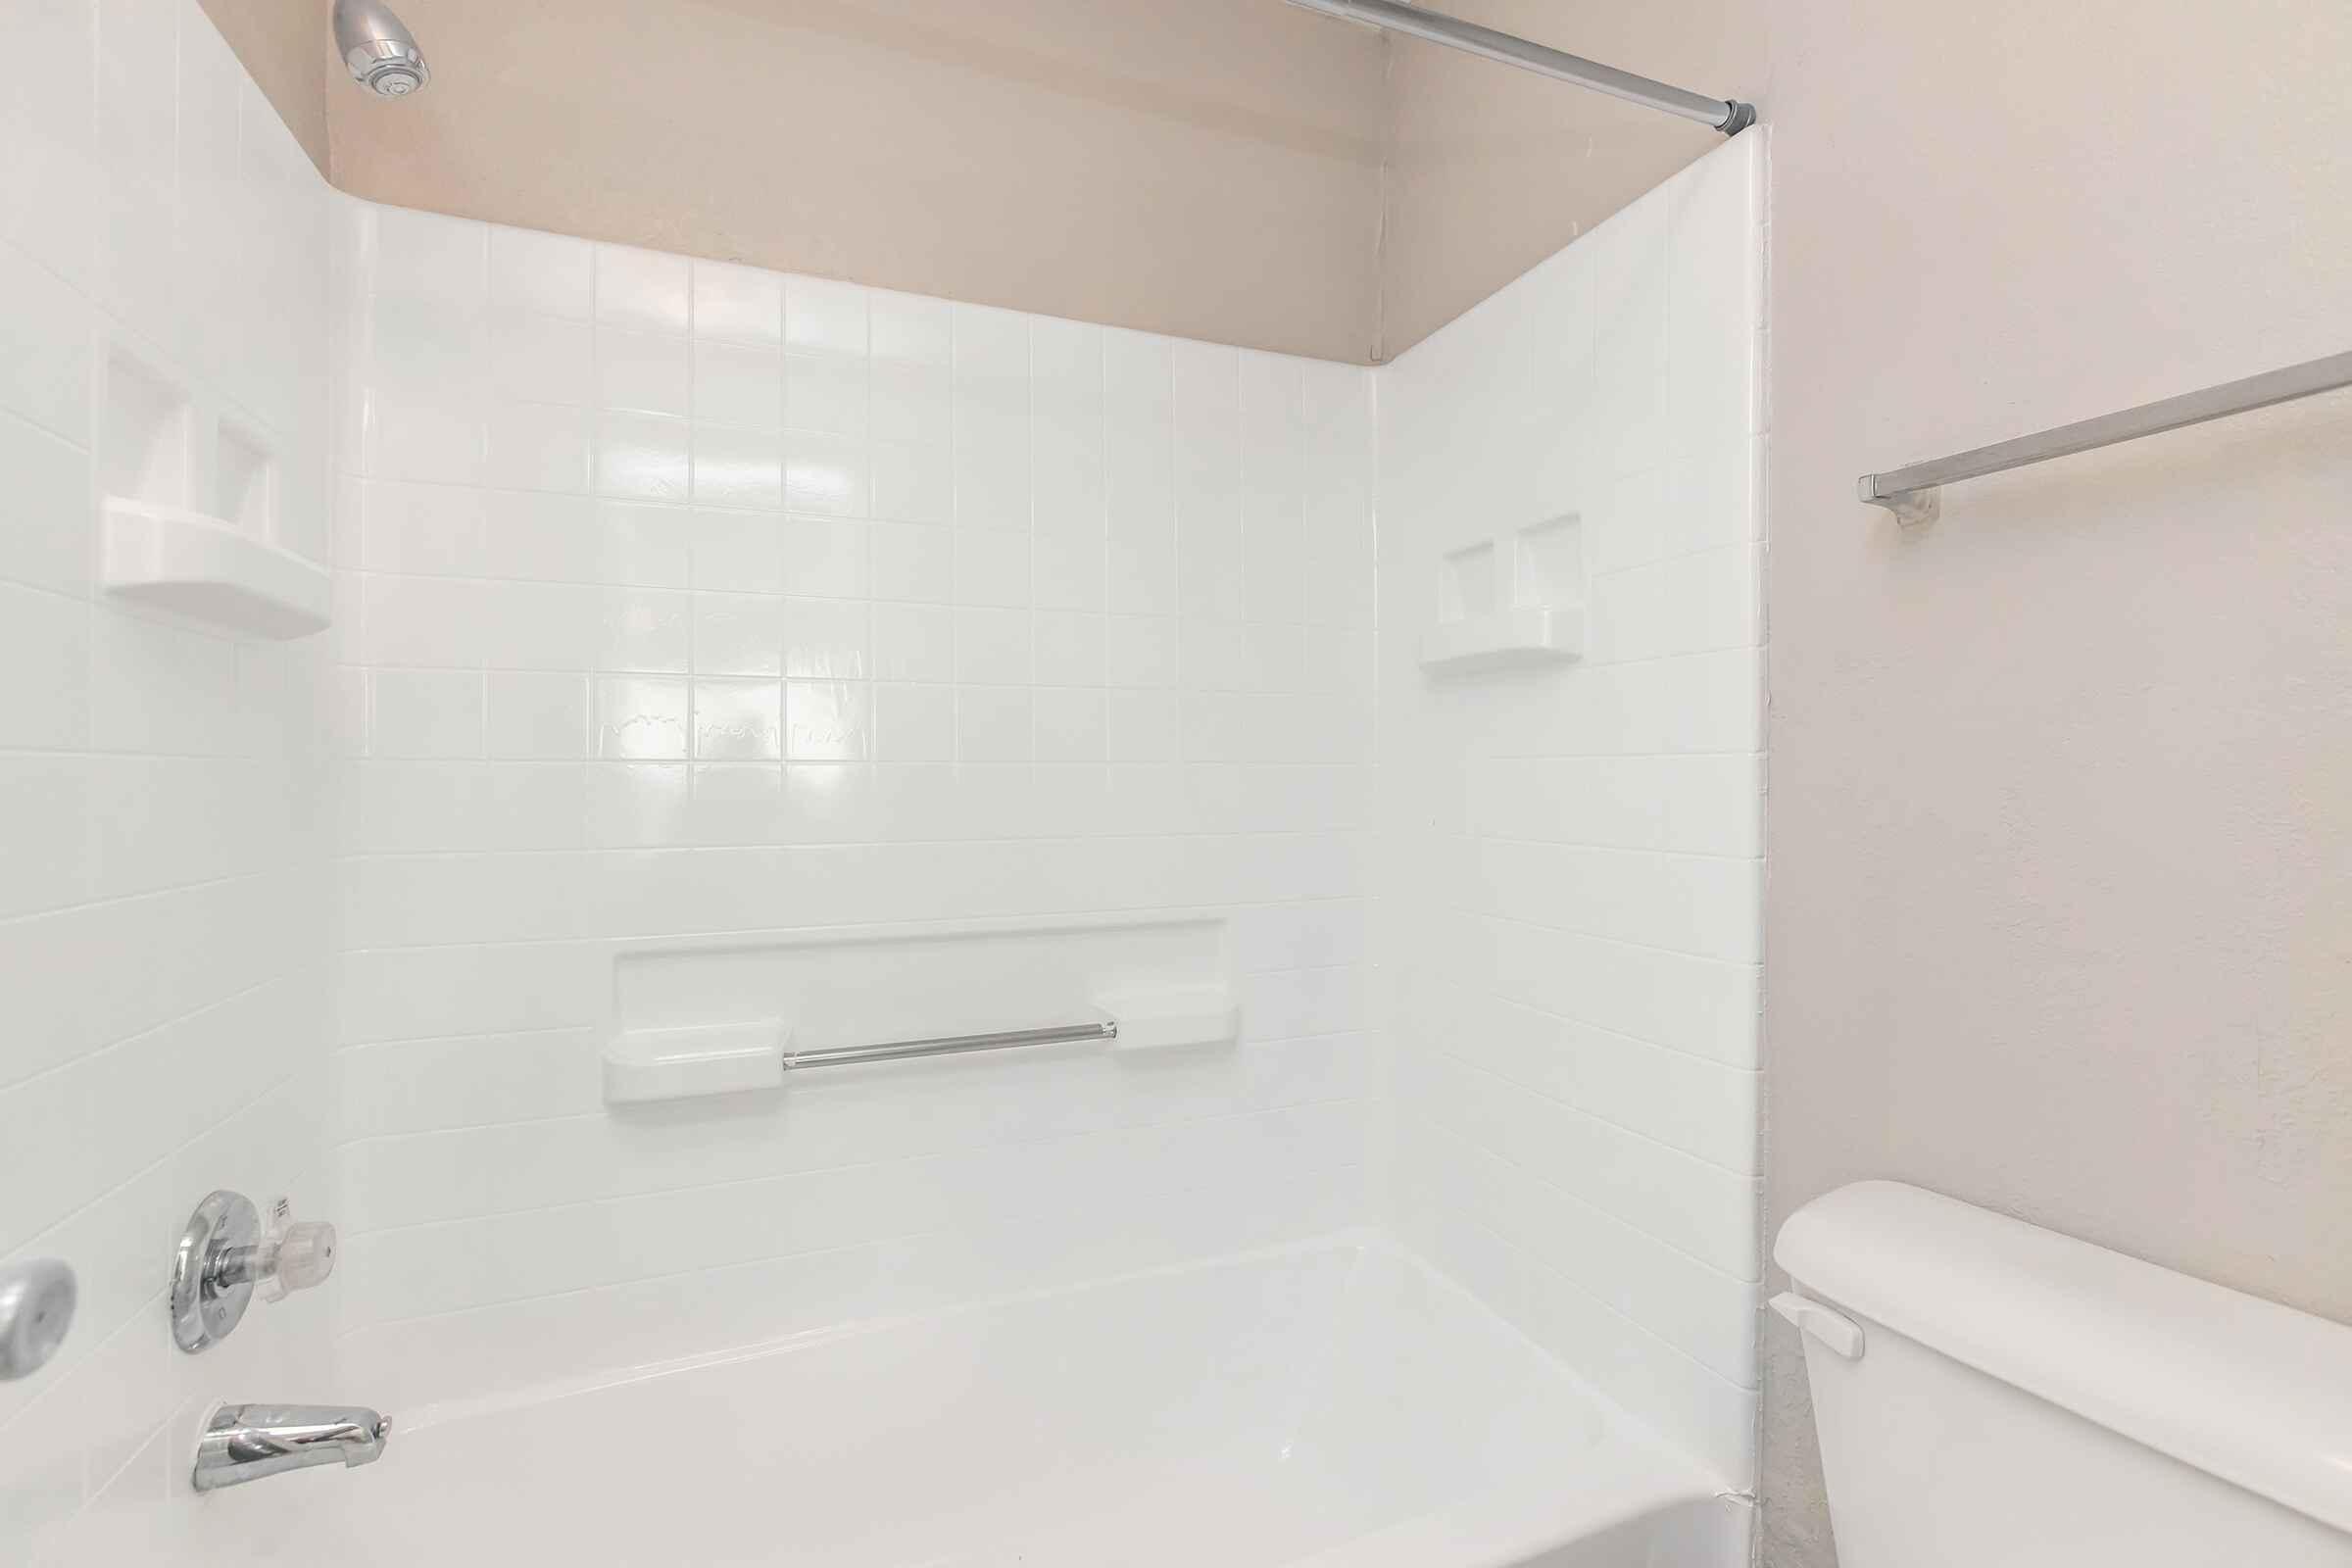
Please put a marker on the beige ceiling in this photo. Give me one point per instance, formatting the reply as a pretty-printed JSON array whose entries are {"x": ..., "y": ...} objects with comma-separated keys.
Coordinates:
[{"x": 1233, "y": 169}]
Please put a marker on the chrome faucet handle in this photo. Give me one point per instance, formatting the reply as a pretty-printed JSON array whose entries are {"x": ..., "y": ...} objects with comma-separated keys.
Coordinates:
[
  {"x": 226, "y": 1250},
  {"x": 36, "y": 1309}
]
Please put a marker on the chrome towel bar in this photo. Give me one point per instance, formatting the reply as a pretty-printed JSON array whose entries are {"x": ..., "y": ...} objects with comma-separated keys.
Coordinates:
[
  {"x": 1911, "y": 493},
  {"x": 949, "y": 1044}
]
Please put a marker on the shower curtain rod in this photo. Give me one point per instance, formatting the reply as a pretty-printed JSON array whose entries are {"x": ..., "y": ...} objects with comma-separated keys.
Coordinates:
[{"x": 1727, "y": 115}]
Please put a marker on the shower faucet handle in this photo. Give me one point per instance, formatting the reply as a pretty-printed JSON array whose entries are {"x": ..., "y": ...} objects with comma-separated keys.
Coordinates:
[{"x": 226, "y": 1252}]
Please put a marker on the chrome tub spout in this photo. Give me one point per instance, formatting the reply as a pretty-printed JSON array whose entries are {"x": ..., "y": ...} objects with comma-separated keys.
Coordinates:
[{"x": 244, "y": 1442}]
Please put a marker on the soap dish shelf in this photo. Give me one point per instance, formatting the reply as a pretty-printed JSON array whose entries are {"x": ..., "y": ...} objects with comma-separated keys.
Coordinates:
[
  {"x": 201, "y": 568},
  {"x": 1524, "y": 637}
]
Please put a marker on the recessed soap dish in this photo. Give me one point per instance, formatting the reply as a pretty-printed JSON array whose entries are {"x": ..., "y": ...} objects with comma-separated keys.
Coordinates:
[
  {"x": 1511, "y": 601},
  {"x": 201, "y": 568},
  {"x": 728, "y": 1059}
]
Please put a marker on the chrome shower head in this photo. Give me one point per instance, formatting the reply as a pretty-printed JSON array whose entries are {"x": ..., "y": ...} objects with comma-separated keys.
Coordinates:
[{"x": 380, "y": 51}]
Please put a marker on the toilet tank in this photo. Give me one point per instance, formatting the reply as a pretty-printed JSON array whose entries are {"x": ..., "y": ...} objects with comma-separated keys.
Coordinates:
[{"x": 1987, "y": 1393}]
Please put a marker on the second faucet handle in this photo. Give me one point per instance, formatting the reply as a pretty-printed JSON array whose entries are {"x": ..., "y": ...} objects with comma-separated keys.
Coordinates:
[
  {"x": 306, "y": 1256},
  {"x": 226, "y": 1252}
]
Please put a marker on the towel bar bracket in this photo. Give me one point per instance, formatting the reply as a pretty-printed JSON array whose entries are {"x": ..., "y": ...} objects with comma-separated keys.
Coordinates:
[{"x": 1910, "y": 493}]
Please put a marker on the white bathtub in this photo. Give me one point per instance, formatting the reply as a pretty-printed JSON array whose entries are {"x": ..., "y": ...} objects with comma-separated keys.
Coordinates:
[{"x": 1329, "y": 1404}]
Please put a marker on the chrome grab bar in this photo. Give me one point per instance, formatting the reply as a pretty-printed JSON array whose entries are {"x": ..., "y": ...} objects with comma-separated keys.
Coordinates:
[{"x": 949, "y": 1044}]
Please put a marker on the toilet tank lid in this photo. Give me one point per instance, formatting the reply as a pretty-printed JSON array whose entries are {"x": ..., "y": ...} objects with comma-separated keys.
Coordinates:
[{"x": 2257, "y": 1394}]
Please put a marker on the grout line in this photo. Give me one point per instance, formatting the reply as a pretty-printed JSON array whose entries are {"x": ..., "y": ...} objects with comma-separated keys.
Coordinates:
[
  {"x": 1575, "y": 1109},
  {"x": 97, "y": 1053},
  {"x": 1683, "y": 1052},
  {"x": 173, "y": 891},
  {"x": 1448, "y": 1129},
  {"x": 1744, "y": 1391},
  {"x": 144, "y": 1171},
  {"x": 1577, "y": 847},
  {"x": 1615, "y": 941}
]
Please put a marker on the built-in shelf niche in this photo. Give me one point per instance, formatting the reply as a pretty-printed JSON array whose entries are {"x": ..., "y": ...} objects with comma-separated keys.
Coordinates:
[
  {"x": 144, "y": 444},
  {"x": 245, "y": 482},
  {"x": 1512, "y": 602},
  {"x": 196, "y": 541}
]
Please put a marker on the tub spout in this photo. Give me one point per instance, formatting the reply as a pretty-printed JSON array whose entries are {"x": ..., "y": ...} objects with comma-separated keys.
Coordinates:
[{"x": 244, "y": 1442}]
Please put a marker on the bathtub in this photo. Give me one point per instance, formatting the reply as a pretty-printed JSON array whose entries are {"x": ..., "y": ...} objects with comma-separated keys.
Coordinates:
[{"x": 1334, "y": 1405}]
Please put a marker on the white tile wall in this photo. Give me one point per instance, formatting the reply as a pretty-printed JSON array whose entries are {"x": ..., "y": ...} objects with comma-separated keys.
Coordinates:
[
  {"x": 1572, "y": 857},
  {"x": 693, "y": 599},
  {"x": 677, "y": 599},
  {"x": 164, "y": 831}
]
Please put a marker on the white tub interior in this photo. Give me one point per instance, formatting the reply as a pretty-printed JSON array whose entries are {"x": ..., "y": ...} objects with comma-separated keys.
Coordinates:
[{"x": 1335, "y": 1403}]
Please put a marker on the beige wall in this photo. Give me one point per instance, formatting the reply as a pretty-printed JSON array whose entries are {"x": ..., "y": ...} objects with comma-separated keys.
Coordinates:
[
  {"x": 1491, "y": 169},
  {"x": 1210, "y": 168},
  {"x": 2060, "y": 825},
  {"x": 286, "y": 46},
  {"x": 1232, "y": 169}
]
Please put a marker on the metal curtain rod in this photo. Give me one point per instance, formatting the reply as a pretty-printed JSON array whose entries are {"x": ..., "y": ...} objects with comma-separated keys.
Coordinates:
[
  {"x": 949, "y": 1044},
  {"x": 1727, "y": 115},
  {"x": 1911, "y": 493}
]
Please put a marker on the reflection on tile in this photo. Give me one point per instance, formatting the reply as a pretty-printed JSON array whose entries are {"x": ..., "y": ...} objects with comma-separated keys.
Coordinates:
[
  {"x": 825, "y": 393},
  {"x": 825, "y": 473},
  {"x": 645, "y": 629},
  {"x": 825, "y": 638},
  {"x": 736, "y": 383},
  {"x": 827, "y": 720},
  {"x": 641, "y": 290},
  {"x": 735, "y": 468},
  {"x": 824, "y": 316},
  {"x": 738, "y": 634},
  {"x": 739, "y": 304},
  {"x": 738, "y": 721},
  {"x": 642, "y": 720},
  {"x": 647, "y": 372},
  {"x": 642, "y": 456}
]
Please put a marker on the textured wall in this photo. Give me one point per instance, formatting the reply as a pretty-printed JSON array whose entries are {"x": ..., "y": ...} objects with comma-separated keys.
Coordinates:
[
  {"x": 2060, "y": 901},
  {"x": 1572, "y": 870}
]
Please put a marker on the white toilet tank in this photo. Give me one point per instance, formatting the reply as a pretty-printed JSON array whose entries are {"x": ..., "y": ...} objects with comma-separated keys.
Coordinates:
[{"x": 1990, "y": 1394}]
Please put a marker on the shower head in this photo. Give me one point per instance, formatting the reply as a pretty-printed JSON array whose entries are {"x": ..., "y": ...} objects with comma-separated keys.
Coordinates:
[{"x": 382, "y": 55}]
